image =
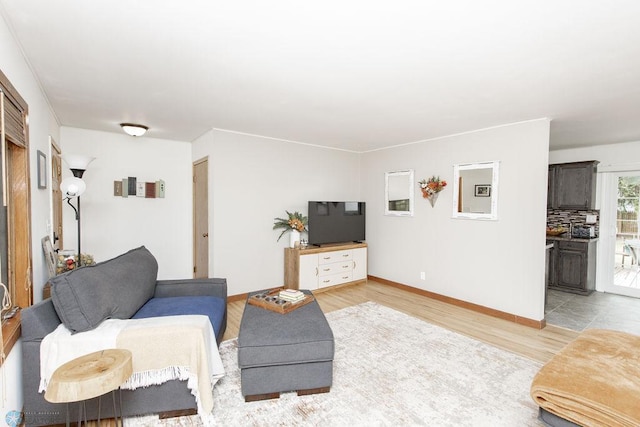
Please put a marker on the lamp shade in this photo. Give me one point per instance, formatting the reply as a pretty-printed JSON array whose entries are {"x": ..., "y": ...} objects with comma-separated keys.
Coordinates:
[
  {"x": 72, "y": 187},
  {"x": 133, "y": 129},
  {"x": 77, "y": 161}
]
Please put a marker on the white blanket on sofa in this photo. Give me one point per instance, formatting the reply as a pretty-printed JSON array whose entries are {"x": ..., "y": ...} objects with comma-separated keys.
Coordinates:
[{"x": 163, "y": 349}]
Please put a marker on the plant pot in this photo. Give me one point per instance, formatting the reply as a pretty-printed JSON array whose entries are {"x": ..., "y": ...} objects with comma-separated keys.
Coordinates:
[
  {"x": 433, "y": 198},
  {"x": 294, "y": 237}
]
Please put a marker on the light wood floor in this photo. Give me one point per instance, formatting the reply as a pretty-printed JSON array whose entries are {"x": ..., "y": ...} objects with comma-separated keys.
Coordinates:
[
  {"x": 539, "y": 345},
  {"x": 535, "y": 344}
]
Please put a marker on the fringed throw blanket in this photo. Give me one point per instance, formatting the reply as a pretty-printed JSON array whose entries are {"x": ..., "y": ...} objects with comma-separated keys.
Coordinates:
[
  {"x": 593, "y": 381},
  {"x": 163, "y": 349}
]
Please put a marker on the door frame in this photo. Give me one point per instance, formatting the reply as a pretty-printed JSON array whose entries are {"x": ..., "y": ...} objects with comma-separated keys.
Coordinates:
[
  {"x": 197, "y": 204},
  {"x": 56, "y": 228},
  {"x": 607, "y": 237}
]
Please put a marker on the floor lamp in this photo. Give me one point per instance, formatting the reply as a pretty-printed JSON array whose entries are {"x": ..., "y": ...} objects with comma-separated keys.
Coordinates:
[{"x": 73, "y": 187}]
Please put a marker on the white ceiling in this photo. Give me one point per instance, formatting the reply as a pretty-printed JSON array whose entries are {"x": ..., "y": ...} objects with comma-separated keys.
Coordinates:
[{"x": 357, "y": 75}]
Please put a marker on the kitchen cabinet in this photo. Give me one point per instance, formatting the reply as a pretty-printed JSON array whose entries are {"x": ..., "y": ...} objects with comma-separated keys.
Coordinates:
[
  {"x": 572, "y": 185},
  {"x": 549, "y": 264},
  {"x": 572, "y": 266}
]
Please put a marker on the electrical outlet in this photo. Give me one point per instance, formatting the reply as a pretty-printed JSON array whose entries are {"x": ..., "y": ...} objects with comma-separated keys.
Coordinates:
[{"x": 423, "y": 275}]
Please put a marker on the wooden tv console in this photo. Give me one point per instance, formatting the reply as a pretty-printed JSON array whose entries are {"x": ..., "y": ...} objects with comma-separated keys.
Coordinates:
[{"x": 320, "y": 267}]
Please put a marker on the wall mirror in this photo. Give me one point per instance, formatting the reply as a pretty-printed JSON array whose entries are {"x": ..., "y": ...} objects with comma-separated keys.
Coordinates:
[
  {"x": 475, "y": 190},
  {"x": 398, "y": 194}
]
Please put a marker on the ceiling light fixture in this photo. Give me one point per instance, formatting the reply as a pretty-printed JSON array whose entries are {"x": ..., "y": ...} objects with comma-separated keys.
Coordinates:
[{"x": 133, "y": 129}]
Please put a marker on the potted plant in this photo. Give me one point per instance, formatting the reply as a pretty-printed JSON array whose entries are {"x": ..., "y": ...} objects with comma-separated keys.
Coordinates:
[{"x": 295, "y": 223}]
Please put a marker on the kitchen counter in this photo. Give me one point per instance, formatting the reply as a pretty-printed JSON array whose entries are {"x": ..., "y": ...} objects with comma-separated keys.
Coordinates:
[{"x": 567, "y": 237}]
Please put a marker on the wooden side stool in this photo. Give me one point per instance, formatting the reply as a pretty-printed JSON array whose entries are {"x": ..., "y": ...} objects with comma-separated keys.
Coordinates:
[{"x": 90, "y": 376}]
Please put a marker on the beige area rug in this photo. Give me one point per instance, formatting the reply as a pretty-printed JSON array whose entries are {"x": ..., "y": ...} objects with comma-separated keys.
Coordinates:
[{"x": 389, "y": 369}]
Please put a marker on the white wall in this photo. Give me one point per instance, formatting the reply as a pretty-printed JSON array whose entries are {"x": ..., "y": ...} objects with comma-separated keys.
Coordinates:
[
  {"x": 627, "y": 153},
  {"x": 42, "y": 123},
  {"x": 496, "y": 264},
  {"x": 253, "y": 180},
  {"x": 111, "y": 224}
]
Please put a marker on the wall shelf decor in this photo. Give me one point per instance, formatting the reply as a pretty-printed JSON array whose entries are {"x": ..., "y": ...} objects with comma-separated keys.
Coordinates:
[{"x": 130, "y": 186}]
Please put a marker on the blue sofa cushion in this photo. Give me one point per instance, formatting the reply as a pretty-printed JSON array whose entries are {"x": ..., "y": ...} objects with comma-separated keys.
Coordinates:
[
  {"x": 213, "y": 307},
  {"x": 116, "y": 289}
]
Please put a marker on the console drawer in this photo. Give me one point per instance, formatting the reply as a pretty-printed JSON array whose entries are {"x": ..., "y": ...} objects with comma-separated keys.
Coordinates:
[
  {"x": 335, "y": 279},
  {"x": 335, "y": 256},
  {"x": 335, "y": 268}
]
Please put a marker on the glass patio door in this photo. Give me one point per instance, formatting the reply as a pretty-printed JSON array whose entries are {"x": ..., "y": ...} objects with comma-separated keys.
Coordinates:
[{"x": 619, "y": 235}]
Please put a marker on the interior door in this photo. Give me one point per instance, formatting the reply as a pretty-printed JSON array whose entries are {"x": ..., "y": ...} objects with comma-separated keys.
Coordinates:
[
  {"x": 201, "y": 218},
  {"x": 56, "y": 195}
]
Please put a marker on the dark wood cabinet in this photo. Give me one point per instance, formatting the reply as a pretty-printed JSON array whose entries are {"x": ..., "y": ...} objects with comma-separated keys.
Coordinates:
[
  {"x": 572, "y": 185},
  {"x": 550, "y": 261},
  {"x": 551, "y": 186},
  {"x": 572, "y": 266}
]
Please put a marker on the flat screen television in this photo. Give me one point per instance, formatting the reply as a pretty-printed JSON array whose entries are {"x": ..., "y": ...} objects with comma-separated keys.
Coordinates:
[{"x": 336, "y": 222}]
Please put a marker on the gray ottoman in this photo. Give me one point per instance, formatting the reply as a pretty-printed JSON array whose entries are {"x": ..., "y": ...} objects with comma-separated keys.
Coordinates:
[{"x": 284, "y": 352}]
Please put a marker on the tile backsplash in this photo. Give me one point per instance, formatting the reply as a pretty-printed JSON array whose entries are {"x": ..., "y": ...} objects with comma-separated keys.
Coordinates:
[{"x": 577, "y": 218}]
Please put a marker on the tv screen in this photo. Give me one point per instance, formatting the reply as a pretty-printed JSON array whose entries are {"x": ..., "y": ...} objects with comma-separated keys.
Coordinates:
[{"x": 336, "y": 222}]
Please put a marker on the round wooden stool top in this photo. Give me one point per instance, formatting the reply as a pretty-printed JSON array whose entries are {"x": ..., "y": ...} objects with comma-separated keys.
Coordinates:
[{"x": 89, "y": 376}]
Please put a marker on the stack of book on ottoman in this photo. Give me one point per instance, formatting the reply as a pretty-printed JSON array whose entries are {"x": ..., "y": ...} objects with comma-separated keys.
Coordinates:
[{"x": 291, "y": 295}]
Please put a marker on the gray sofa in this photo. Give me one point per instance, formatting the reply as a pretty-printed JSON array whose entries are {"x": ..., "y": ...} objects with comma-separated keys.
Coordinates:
[{"x": 122, "y": 288}]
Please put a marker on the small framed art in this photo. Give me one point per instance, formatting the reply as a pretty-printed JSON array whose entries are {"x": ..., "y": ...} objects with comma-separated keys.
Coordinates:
[
  {"x": 42, "y": 170},
  {"x": 483, "y": 190}
]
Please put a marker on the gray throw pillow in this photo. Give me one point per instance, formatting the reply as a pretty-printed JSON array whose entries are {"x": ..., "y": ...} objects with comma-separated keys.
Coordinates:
[{"x": 116, "y": 289}]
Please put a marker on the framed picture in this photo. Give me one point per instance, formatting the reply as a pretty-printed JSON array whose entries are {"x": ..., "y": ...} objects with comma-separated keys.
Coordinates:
[
  {"x": 42, "y": 170},
  {"x": 483, "y": 190},
  {"x": 49, "y": 256}
]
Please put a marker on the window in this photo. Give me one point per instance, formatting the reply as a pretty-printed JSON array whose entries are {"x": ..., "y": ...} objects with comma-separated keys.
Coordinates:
[{"x": 15, "y": 212}]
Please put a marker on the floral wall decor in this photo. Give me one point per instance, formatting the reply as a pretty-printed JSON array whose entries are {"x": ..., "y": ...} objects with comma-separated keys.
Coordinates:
[{"x": 431, "y": 187}]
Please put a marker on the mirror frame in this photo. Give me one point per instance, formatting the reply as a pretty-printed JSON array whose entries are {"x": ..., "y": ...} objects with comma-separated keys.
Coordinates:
[
  {"x": 493, "y": 215},
  {"x": 410, "y": 188}
]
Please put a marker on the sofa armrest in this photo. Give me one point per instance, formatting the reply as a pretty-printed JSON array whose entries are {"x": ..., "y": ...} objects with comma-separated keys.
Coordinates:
[
  {"x": 191, "y": 287},
  {"x": 39, "y": 320}
]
